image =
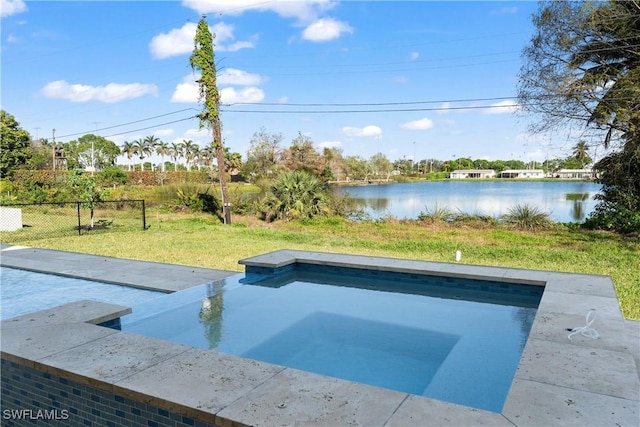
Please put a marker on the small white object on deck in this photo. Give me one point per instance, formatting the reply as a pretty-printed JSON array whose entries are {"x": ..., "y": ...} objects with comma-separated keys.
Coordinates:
[{"x": 586, "y": 330}]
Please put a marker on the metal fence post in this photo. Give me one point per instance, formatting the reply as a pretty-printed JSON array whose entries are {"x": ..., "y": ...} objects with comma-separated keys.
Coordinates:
[
  {"x": 144, "y": 217},
  {"x": 79, "y": 225}
]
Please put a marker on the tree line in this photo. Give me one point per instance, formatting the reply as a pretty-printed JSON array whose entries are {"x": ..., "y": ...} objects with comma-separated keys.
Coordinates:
[{"x": 266, "y": 157}]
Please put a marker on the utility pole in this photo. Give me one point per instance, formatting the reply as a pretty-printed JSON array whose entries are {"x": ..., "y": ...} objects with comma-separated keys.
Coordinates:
[
  {"x": 53, "y": 144},
  {"x": 93, "y": 159},
  {"x": 414, "y": 156}
]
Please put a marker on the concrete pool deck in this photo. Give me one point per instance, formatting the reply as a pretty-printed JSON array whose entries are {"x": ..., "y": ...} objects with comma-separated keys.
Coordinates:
[{"x": 558, "y": 382}]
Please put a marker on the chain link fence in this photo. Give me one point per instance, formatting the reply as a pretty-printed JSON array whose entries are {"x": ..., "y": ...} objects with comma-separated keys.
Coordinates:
[{"x": 20, "y": 222}]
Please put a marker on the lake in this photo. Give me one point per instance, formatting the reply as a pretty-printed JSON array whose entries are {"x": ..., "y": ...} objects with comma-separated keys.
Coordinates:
[{"x": 564, "y": 201}]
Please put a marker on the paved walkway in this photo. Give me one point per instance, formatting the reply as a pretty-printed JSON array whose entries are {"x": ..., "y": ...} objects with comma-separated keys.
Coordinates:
[{"x": 140, "y": 274}]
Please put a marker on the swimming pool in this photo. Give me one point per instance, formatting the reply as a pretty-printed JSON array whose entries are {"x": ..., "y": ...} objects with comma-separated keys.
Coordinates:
[
  {"x": 458, "y": 340},
  {"x": 23, "y": 292}
]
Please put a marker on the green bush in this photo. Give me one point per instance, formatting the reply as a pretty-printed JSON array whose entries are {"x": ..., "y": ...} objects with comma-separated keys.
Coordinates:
[
  {"x": 112, "y": 176},
  {"x": 613, "y": 219},
  {"x": 192, "y": 196},
  {"x": 526, "y": 217},
  {"x": 295, "y": 195},
  {"x": 437, "y": 213}
]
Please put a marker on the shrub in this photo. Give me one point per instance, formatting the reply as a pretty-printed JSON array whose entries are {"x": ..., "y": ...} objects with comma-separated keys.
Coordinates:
[
  {"x": 295, "y": 195},
  {"x": 526, "y": 217},
  {"x": 112, "y": 176},
  {"x": 189, "y": 195},
  {"x": 438, "y": 213},
  {"x": 616, "y": 218}
]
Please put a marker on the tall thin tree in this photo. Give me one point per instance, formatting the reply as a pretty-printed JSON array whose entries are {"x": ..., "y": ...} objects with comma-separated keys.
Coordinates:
[
  {"x": 202, "y": 59},
  {"x": 162, "y": 149},
  {"x": 175, "y": 152}
]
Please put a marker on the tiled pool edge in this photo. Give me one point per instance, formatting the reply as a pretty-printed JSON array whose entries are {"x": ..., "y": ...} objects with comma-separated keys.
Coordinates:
[{"x": 551, "y": 386}]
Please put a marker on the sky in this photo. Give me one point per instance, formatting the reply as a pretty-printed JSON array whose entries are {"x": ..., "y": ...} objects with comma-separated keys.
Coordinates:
[{"x": 411, "y": 80}]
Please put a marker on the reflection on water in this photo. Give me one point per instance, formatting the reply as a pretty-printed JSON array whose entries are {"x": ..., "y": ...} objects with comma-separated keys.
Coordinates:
[
  {"x": 578, "y": 209},
  {"x": 564, "y": 201},
  {"x": 378, "y": 205},
  {"x": 211, "y": 313}
]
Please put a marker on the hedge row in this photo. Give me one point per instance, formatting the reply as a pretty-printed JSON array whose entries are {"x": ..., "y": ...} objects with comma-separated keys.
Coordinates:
[{"x": 51, "y": 177}]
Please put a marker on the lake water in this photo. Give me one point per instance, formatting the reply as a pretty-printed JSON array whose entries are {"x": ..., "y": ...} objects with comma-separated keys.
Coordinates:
[{"x": 564, "y": 201}]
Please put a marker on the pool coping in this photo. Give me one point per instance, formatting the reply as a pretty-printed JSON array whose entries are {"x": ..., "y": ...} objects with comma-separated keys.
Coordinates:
[{"x": 558, "y": 381}]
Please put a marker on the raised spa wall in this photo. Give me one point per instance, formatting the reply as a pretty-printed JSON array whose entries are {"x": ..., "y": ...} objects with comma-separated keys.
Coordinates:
[{"x": 61, "y": 359}]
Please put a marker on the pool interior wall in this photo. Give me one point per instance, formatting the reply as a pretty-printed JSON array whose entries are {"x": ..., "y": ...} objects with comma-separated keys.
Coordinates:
[
  {"x": 455, "y": 339},
  {"x": 558, "y": 382}
]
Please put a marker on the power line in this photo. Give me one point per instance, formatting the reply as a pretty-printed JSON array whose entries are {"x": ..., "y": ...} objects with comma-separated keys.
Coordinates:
[
  {"x": 151, "y": 127},
  {"x": 228, "y": 108},
  {"x": 375, "y": 103},
  {"x": 130, "y": 123},
  {"x": 390, "y": 110}
]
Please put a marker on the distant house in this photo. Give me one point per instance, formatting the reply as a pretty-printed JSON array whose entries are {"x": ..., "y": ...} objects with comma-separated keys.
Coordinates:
[
  {"x": 574, "y": 174},
  {"x": 522, "y": 173},
  {"x": 472, "y": 173},
  {"x": 57, "y": 155}
]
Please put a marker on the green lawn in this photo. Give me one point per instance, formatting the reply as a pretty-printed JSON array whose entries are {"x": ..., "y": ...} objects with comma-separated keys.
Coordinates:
[{"x": 200, "y": 240}]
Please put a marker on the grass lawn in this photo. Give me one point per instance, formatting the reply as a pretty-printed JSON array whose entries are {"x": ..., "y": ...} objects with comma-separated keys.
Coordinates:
[{"x": 200, "y": 240}]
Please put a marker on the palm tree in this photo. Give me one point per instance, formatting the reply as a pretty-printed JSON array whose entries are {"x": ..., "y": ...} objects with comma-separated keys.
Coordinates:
[
  {"x": 129, "y": 149},
  {"x": 580, "y": 152},
  {"x": 294, "y": 195},
  {"x": 142, "y": 149},
  {"x": 175, "y": 152},
  {"x": 232, "y": 161},
  {"x": 162, "y": 149},
  {"x": 207, "y": 154},
  {"x": 151, "y": 141},
  {"x": 609, "y": 60},
  {"x": 190, "y": 150}
]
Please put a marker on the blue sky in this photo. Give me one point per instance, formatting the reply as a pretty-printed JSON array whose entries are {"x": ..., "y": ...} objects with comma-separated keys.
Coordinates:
[{"x": 120, "y": 69}]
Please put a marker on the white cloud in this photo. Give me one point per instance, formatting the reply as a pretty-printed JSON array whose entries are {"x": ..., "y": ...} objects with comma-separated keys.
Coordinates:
[
  {"x": 234, "y": 47},
  {"x": 11, "y": 38},
  {"x": 370, "y": 130},
  {"x": 302, "y": 10},
  {"x": 232, "y": 76},
  {"x": 175, "y": 42},
  {"x": 12, "y": 7},
  {"x": 283, "y": 100},
  {"x": 330, "y": 144},
  {"x": 230, "y": 95},
  {"x": 325, "y": 29},
  {"x": 503, "y": 107},
  {"x": 415, "y": 55},
  {"x": 422, "y": 124},
  {"x": 189, "y": 92},
  {"x": 179, "y": 41},
  {"x": 163, "y": 132},
  {"x": 113, "y": 92}
]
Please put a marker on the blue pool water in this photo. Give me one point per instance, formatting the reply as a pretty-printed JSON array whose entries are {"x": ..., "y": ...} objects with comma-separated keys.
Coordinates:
[
  {"x": 437, "y": 337},
  {"x": 23, "y": 292}
]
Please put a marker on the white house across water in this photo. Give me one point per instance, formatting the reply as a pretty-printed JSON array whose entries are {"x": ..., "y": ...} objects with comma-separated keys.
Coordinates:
[
  {"x": 522, "y": 173},
  {"x": 472, "y": 173},
  {"x": 574, "y": 174}
]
